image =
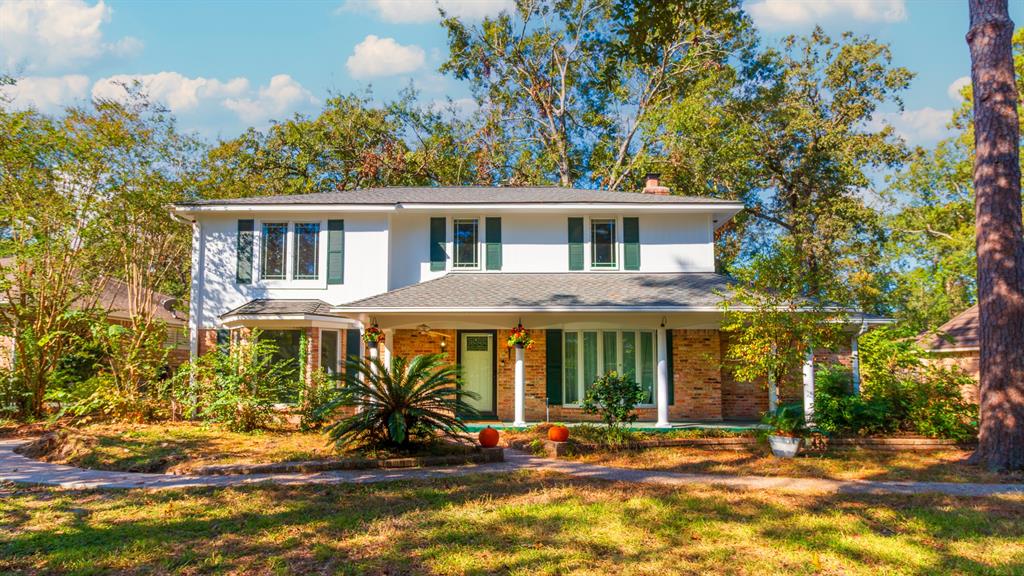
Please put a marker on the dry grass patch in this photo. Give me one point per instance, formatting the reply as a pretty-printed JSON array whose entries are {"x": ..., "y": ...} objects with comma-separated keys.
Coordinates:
[
  {"x": 524, "y": 523},
  {"x": 180, "y": 446},
  {"x": 939, "y": 466}
]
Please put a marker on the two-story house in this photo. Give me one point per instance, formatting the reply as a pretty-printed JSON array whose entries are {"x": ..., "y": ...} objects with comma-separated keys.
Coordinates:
[{"x": 602, "y": 280}]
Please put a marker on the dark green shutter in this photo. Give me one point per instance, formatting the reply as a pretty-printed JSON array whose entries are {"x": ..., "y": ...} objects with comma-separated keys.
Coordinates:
[
  {"x": 575, "y": 243},
  {"x": 493, "y": 243},
  {"x": 243, "y": 264},
  {"x": 437, "y": 255},
  {"x": 353, "y": 343},
  {"x": 335, "y": 251},
  {"x": 671, "y": 370},
  {"x": 554, "y": 366},
  {"x": 631, "y": 242}
]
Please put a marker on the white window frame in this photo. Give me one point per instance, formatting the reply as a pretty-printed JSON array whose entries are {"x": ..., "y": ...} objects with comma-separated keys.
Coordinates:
[
  {"x": 290, "y": 282},
  {"x": 638, "y": 361},
  {"x": 339, "y": 365},
  {"x": 476, "y": 252}
]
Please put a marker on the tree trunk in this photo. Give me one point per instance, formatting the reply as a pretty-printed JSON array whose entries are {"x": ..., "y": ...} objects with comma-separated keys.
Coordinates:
[{"x": 998, "y": 232}]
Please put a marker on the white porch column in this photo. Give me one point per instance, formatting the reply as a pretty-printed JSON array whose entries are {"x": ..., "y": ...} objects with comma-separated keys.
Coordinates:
[
  {"x": 809, "y": 386},
  {"x": 389, "y": 344},
  {"x": 663, "y": 379},
  {"x": 520, "y": 388},
  {"x": 855, "y": 363},
  {"x": 773, "y": 394}
]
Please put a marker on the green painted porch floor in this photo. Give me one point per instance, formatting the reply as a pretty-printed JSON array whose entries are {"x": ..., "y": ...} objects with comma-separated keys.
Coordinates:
[{"x": 728, "y": 425}]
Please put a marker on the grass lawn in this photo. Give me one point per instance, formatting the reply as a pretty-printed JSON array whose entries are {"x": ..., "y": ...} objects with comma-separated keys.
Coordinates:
[
  {"x": 523, "y": 523},
  {"x": 157, "y": 447},
  {"x": 943, "y": 466}
]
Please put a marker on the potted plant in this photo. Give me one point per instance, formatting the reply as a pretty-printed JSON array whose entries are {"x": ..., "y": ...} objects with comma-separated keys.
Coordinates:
[
  {"x": 786, "y": 430},
  {"x": 520, "y": 338},
  {"x": 373, "y": 336}
]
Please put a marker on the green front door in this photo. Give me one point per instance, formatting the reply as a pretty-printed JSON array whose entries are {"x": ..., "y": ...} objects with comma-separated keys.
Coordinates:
[{"x": 477, "y": 359}]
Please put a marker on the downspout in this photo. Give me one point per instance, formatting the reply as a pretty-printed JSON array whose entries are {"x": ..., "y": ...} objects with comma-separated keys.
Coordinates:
[
  {"x": 855, "y": 356},
  {"x": 195, "y": 290}
]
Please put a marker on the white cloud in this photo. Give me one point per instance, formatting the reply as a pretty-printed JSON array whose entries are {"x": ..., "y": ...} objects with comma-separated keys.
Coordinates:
[
  {"x": 282, "y": 96},
  {"x": 406, "y": 11},
  {"x": 180, "y": 93},
  {"x": 924, "y": 126},
  {"x": 774, "y": 14},
  {"x": 52, "y": 34},
  {"x": 383, "y": 57},
  {"x": 956, "y": 86},
  {"x": 47, "y": 93}
]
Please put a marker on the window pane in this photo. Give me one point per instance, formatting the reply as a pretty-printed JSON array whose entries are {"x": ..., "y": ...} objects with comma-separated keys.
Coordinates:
[
  {"x": 329, "y": 352},
  {"x": 589, "y": 359},
  {"x": 307, "y": 251},
  {"x": 273, "y": 251},
  {"x": 647, "y": 366},
  {"x": 611, "y": 352},
  {"x": 602, "y": 243},
  {"x": 288, "y": 344},
  {"x": 570, "y": 363},
  {"x": 465, "y": 238},
  {"x": 629, "y": 354}
]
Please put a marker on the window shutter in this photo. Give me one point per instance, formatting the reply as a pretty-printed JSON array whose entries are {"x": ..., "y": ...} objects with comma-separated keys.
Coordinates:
[
  {"x": 335, "y": 251},
  {"x": 575, "y": 243},
  {"x": 243, "y": 264},
  {"x": 437, "y": 255},
  {"x": 671, "y": 370},
  {"x": 493, "y": 243},
  {"x": 223, "y": 340},
  {"x": 353, "y": 342},
  {"x": 631, "y": 243},
  {"x": 553, "y": 350}
]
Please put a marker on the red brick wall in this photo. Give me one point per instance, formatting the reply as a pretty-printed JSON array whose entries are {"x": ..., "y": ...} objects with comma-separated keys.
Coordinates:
[
  {"x": 966, "y": 361},
  {"x": 697, "y": 378}
]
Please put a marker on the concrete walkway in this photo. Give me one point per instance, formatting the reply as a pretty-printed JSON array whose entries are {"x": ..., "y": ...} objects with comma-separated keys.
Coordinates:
[{"x": 17, "y": 468}]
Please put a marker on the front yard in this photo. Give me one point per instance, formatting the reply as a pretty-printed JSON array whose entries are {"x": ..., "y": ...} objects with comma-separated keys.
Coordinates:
[{"x": 523, "y": 523}]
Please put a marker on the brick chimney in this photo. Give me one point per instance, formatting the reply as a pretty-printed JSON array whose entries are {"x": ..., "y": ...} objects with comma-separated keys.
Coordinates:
[{"x": 652, "y": 185}]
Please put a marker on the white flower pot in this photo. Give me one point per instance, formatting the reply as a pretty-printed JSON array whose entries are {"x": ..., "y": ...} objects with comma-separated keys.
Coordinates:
[{"x": 785, "y": 446}]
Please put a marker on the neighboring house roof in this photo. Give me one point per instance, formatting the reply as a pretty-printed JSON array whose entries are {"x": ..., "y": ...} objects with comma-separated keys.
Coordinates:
[
  {"x": 465, "y": 195},
  {"x": 579, "y": 291},
  {"x": 267, "y": 308},
  {"x": 115, "y": 300},
  {"x": 960, "y": 333}
]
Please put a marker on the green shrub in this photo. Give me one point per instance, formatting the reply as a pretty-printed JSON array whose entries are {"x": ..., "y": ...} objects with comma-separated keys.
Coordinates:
[
  {"x": 13, "y": 395},
  {"x": 237, "y": 388},
  {"x": 602, "y": 435},
  {"x": 937, "y": 407},
  {"x": 787, "y": 420},
  {"x": 614, "y": 397},
  {"x": 837, "y": 411},
  {"x": 411, "y": 400},
  {"x": 313, "y": 396}
]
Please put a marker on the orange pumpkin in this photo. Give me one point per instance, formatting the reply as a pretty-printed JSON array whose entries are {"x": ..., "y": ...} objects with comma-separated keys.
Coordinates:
[
  {"x": 558, "y": 433},
  {"x": 488, "y": 437}
]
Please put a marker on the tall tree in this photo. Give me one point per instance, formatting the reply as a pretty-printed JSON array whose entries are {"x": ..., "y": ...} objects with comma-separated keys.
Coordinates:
[
  {"x": 571, "y": 83},
  {"x": 1000, "y": 238}
]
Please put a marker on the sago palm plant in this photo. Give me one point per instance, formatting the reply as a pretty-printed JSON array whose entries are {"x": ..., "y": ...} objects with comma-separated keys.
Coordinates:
[{"x": 417, "y": 398}]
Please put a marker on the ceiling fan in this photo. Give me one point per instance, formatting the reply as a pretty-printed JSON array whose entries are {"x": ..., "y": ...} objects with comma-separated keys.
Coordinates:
[{"x": 424, "y": 330}]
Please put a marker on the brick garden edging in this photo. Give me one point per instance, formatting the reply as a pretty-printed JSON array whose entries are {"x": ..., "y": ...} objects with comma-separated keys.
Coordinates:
[
  {"x": 893, "y": 444},
  {"x": 477, "y": 456}
]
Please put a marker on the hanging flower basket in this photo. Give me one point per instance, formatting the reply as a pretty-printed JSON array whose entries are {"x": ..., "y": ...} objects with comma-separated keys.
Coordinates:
[
  {"x": 520, "y": 338},
  {"x": 373, "y": 336}
]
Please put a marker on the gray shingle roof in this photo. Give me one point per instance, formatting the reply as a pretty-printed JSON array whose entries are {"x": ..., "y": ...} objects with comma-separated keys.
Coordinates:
[
  {"x": 274, "y": 307},
  {"x": 581, "y": 291},
  {"x": 465, "y": 195},
  {"x": 960, "y": 332}
]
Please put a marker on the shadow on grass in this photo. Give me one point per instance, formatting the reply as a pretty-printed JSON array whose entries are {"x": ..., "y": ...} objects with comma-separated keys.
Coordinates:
[{"x": 521, "y": 523}]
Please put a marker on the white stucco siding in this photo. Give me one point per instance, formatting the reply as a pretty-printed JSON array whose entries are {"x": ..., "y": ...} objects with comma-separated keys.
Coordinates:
[
  {"x": 538, "y": 242},
  {"x": 676, "y": 243},
  {"x": 366, "y": 265}
]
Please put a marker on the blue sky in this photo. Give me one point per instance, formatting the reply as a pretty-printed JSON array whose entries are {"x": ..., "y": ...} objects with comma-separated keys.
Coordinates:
[{"x": 223, "y": 66}]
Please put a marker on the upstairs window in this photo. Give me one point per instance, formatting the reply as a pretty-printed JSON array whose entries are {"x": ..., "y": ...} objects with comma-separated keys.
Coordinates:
[
  {"x": 307, "y": 251},
  {"x": 274, "y": 252},
  {"x": 466, "y": 237},
  {"x": 602, "y": 244}
]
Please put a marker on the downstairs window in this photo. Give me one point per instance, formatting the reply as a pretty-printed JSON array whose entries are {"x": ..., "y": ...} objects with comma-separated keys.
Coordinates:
[{"x": 588, "y": 354}]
